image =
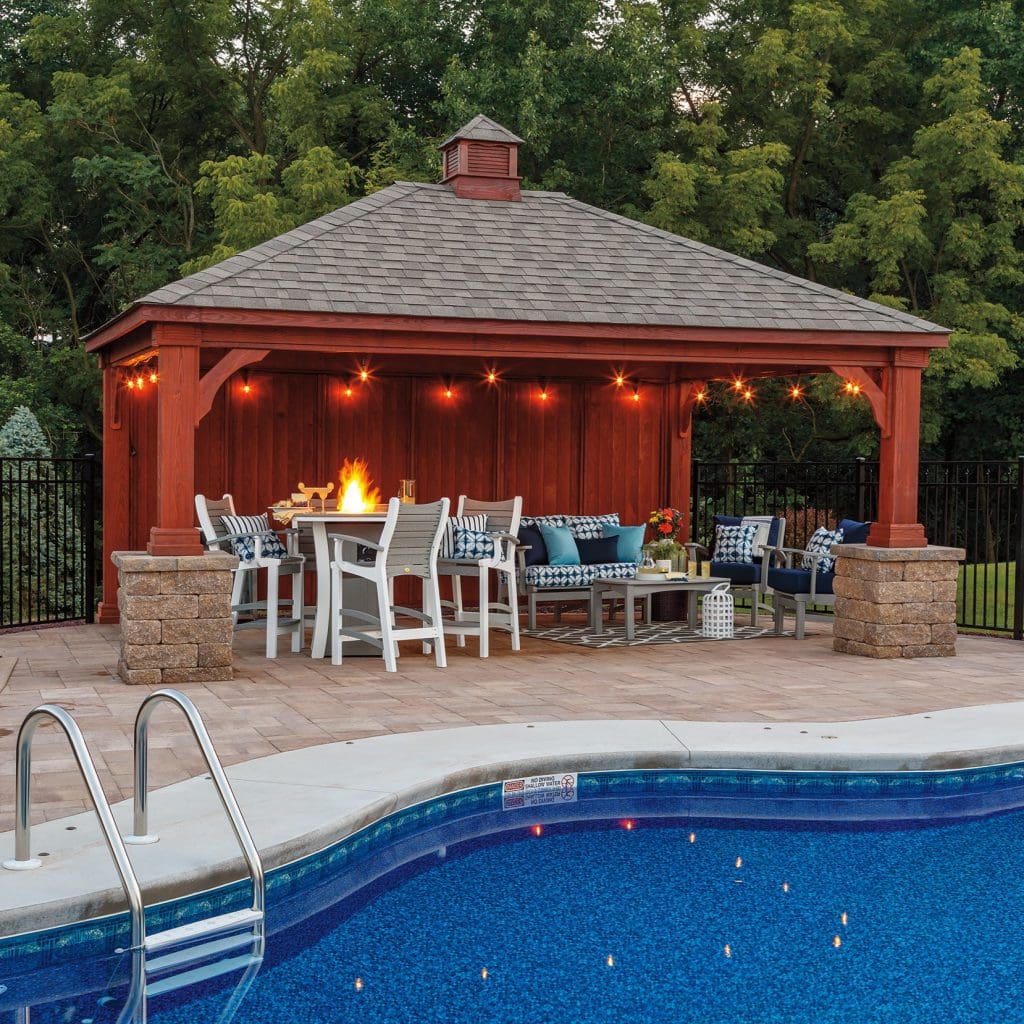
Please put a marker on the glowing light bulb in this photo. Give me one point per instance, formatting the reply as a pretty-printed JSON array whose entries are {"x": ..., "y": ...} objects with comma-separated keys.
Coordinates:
[
  {"x": 449, "y": 393},
  {"x": 796, "y": 391},
  {"x": 348, "y": 390},
  {"x": 484, "y": 974},
  {"x": 693, "y": 837},
  {"x": 728, "y": 951},
  {"x": 702, "y": 396},
  {"x": 139, "y": 381},
  {"x": 358, "y": 984},
  {"x": 492, "y": 377},
  {"x": 836, "y": 941},
  {"x": 130, "y": 383},
  {"x": 152, "y": 377},
  {"x": 610, "y": 960},
  {"x": 537, "y": 830},
  {"x": 636, "y": 395},
  {"x": 748, "y": 395},
  {"x": 544, "y": 394},
  {"x": 851, "y": 387},
  {"x": 246, "y": 389},
  {"x": 364, "y": 374},
  {"x": 737, "y": 384},
  {"x": 620, "y": 380},
  {"x": 843, "y": 918}
]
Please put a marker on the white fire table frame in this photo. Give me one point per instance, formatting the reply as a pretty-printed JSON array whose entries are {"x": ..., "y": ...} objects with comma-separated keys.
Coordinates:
[{"x": 367, "y": 525}]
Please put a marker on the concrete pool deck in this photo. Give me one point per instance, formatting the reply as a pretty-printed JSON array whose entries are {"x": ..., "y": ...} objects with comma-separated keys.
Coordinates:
[
  {"x": 294, "y": 702},
  {"x": 300, "y": 802}
]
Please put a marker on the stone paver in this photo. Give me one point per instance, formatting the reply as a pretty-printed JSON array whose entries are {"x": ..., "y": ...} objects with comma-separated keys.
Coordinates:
[{"x": 294, "y": 702}]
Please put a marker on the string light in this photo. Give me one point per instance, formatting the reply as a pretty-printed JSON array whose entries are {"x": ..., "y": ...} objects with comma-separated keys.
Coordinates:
[
  {"x": 620, "y": 379},
  {"x": 139, "y": 382},
  {"x": 701, "y": 396},
  {"x": 851, "y": 387},
  {"x": 737, "y": 384},
  {"x": 491, "y": 377},
  {"x": 130, "y": 383},
  {"x": 364, "y": 373},
  {"x": 348, "y": 392},
  {"x": 449, "y": 388},
  {"x": 748, "y": 394},
  {"x": 796, "y": 392},
  {"x": 543, "y": 392},
  {"x": 636, "y": 393}
]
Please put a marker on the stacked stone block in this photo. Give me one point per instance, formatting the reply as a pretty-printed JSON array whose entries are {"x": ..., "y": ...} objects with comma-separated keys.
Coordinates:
[
  {"x": 175, "y": 617},
  {"x": 896, "y": 602}
]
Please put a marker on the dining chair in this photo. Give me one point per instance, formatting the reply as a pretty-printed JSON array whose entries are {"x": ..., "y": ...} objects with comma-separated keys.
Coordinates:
[
  {"x": 501, "y": 524},
  {"x": 259, "y": 549},
  {"x": 408, "y": 547}
]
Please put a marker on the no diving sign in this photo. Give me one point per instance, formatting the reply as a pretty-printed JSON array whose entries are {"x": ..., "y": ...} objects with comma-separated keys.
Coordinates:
[{"x": 538, "y": 791}]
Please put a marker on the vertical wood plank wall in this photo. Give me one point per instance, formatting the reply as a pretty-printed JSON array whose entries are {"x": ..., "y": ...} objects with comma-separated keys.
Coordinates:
[{"x": 588, "y": 449}]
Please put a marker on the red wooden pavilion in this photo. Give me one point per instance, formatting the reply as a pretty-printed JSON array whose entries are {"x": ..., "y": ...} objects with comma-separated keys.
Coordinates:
[{"x": 468, "y": 334}]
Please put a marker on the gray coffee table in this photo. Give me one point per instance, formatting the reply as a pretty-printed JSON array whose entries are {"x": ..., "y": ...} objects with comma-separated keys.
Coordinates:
[{"x": 630, "y": 590}]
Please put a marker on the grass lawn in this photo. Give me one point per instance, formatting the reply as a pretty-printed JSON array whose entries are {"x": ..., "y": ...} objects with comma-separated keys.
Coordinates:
[{"x": 985, "y": 595}]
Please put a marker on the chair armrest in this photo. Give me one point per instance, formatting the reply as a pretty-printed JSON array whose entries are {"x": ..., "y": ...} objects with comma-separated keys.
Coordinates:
[
  {"x": 361, "y": 541},
  {"x": 692, "y": 547},
  {"x": 786, "y": 554},
  {"x": 521, "y": 550}
]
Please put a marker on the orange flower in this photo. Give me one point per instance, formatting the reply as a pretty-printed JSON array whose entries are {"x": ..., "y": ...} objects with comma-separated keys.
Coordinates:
[{"x": 665, "y": 528}]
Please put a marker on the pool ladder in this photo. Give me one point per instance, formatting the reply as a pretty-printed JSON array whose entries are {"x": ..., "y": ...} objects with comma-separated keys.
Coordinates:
[{"x": 179, "y": 956}]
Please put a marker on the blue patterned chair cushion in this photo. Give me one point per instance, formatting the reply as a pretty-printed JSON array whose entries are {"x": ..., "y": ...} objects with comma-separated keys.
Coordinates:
[
  {"x": 589, "y": 527},
  {"x": 478, "y": 523},
  {"x": 821, "y": 542},
  {"x": 566, "y": 577},
  {"x": 472, "y": 545},
  {"x": 535, "y": 521},
  {"x": 740, "y": 573},
  {"x": 249, "y": 528},
  {"x": 735, "y": 543},
  {"x": 798, "y": 581}
]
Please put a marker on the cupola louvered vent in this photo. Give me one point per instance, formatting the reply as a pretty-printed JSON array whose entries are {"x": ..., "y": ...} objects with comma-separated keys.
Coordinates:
[{"x": 481, "y": 161}]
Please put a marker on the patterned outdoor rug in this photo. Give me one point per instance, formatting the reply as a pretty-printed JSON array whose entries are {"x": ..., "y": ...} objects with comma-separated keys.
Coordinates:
[{"x": 656, "y": 633}]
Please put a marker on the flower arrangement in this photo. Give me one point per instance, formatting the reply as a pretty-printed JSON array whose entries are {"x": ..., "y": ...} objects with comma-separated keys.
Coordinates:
[{"x": 665, "y": 522}]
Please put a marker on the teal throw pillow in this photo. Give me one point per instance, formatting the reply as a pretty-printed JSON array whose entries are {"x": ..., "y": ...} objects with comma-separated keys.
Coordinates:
[
  {"x": 630, "y": 541},
  {"x": 561, "y": 545}
]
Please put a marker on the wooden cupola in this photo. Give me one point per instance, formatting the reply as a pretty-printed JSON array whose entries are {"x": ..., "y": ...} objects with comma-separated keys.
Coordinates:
[{"x": 481, "y": 161}]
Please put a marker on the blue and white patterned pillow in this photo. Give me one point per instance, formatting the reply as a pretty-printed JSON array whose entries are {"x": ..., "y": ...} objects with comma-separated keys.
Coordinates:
[
  {"x": 472, "y": 545},
  {"x": 821, "y": 541},
  {"x": 250, "y": 527},
  {"x": 735, "y": 543},
  {"x": 478, "y": 523},
  {"x": 535, "y": 521},
  {"x": 589, "y": 527}
]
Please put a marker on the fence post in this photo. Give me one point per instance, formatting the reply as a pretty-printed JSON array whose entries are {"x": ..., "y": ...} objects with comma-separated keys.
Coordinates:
[
  {"x": 861, "y": 487},
  {"x": 694, "y": 496},
  {"x": 1018, "y": 581},
  {"x": 89, "y": 536}
]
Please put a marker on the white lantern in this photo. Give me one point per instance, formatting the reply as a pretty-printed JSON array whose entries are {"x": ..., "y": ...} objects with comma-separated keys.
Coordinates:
[{"x": 718, "y": 613}]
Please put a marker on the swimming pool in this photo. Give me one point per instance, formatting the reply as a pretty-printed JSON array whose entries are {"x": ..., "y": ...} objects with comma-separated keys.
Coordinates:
[{"x": 717, "y": 896}]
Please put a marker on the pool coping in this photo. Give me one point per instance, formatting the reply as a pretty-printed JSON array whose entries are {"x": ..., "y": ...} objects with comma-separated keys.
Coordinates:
[{"x": 300, "y": 802}]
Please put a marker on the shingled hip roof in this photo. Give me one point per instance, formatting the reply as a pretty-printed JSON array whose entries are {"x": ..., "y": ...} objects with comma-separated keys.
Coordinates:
[{"x": 418, "y": 250}]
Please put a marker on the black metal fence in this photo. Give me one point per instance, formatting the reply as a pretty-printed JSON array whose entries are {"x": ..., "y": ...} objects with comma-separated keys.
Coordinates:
[
  {"x": 978, "y": 506},
  {"x": 49, "y": 540}
]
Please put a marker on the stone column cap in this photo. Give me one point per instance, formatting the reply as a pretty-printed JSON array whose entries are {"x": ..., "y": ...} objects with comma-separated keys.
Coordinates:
[
  {"x": 140, "y": 561},
  {"x": 868, "y": 553}
]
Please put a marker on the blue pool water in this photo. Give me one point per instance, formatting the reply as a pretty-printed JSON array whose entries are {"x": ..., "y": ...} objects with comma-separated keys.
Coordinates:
[{"x": 621, "y": 916}]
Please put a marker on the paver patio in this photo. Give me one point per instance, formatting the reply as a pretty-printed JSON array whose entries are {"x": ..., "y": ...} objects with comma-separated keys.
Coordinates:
[{"x": 294, "y": 702}]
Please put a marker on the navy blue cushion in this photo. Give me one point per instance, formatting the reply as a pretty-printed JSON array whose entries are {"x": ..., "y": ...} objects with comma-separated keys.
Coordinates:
[
  {"x": 598, "y": 550},
  {"x": 798, "y": 581},
  {"x": 728, "y": 520},
  {"x": 773, "y": 531},
  {"x": 738, "y": 572},
  {"x": 854, "y": 531},
  {"x": 538, "y": 553}
]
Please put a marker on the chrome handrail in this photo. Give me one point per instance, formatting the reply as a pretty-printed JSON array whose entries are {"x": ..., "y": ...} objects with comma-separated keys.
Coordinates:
[
  {"x": 23, "y": 859},
  {"x": 141, "y": 832}
]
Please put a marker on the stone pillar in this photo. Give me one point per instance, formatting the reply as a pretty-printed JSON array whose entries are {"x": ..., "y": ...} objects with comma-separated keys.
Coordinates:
[
  {"x": 175, "y": 617},
  {"x": 896, "y": 602}
]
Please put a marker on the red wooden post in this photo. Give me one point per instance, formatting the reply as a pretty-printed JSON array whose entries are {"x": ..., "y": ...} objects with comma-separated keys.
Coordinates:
[
  {"x": 174, "y": 532},
  {"x": 680, "y": 479},
  {"x": 116, "y": 468},
  {"x": 896, "y": 525}
]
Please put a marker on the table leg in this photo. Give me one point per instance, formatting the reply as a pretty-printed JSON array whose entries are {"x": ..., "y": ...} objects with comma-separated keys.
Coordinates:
[
  {"x": 596, "y": 603},
  {"x": 691, "y": 608},
  {"x": 321, "y": 623},
  {"x": 630, "y": 603}
]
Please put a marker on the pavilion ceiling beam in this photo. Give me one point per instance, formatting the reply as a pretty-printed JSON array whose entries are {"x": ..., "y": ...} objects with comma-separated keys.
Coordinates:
[{"x": 211, "y": 381}]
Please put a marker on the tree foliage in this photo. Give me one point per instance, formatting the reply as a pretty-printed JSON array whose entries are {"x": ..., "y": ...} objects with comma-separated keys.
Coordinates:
[{"x": 872, "y": 145}]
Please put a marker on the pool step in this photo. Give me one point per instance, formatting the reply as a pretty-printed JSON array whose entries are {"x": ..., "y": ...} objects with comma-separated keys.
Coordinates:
[
  {"x": 234, "y": 921},
  {"x": 203, "y": 972},
  {"x": 188, "y": 955}
]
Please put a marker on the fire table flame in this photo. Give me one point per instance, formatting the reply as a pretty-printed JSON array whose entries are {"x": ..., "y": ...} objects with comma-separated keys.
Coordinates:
[{"x": 354, "y": 495}]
